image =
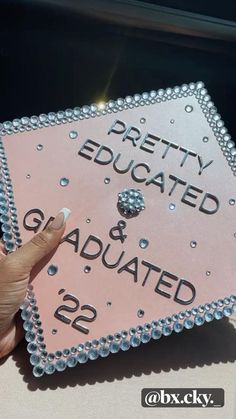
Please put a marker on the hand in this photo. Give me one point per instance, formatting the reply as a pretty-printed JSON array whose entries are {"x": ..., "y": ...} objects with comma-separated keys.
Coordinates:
[{"x": 15, "y": 271}]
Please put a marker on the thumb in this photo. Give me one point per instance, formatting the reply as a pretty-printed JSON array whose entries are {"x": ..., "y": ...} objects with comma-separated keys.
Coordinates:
[{"x": 41, "y": 244}]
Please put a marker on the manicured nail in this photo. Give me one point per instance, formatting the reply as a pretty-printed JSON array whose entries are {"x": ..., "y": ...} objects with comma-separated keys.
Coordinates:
[{"x": 60, "y": 219}]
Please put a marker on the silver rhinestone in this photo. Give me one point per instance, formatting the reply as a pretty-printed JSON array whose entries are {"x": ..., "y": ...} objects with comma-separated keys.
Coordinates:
[
  {"x": 88, "y": 345},
  {"x": 200, "y": 85},
  {"x": 9, "y": 246},
  {"x": 18, "y": 242},
  {"x": 95, "y": 343},
  {"x": 82, "y": 357},
  {"x": 137, "y": 97},
  {"x": 193, "y": 243},
  {"x": 34, "y": 120},
  {"x": 208, "y": 273},
  {"x": 188, "y": 108},
  {"x": 52, "y": 270},
  {"x": 232, "y": 201},
  {"x": 140, "y": 313},
  {"x": 86, "y": 109},
  {"x": 50, "y": 357},
  {"x": 131, "y": 201},
  {"x": 4, "y": 211},
  {"x": 107, "y": 180},
  {"x": 39, "y": 147},
  {"x": 60, "y": 365},
  {"x": 102, "y": 340},
  {"x": 38, "y": 371},
  {"x": 25, "y": 120},
  {"x": 128, "y": 99},
  {"x": 64, "y": 181},
  {"x": 77, "y": 111},
  {"x": 28, "y": 325},
  {"x": 88, "y": 220},
  {"x": 87, "y": 269},
  {"x": 143, "y": 243},
  {"x": 142, "y": 120},
  {"x": 49, "y": 368},
  {"x": 73, "y": 134},
  {"x": 60, "y": 115},
  {"x": 28, "y": 176},
  {"x": 16, "y": 122},
  {"x": 4, "y": 218},
  {"x": 52, "y": 116},
  {"x": 71, "y": 361},
  {"x": 58, "y": 354},
  {"x": 3, "y": 201},
  {"x": 205, "y": 139},
  {"x": 68, "y": 113},
  {"x": 235, "y": 235},
  {"x": 109, "y": 303},
  {"x": 172, "y": 206},
  {"x": 66, "y": 352},
  {"x": 227, "y": 137},
  {"x": 172, "y": 121},
  {"x": 7, "y": 236}
]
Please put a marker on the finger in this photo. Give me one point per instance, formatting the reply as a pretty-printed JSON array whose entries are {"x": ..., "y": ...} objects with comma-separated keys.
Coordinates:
[
  {"x": 2, "y": 247},
  {"x": 3, "y": 251},
  {"x": 41, "y": 244},
  {"x": 12, "y": 337}
]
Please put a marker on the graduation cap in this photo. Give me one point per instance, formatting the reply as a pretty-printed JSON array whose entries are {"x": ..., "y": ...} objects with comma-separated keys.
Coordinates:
[{"x": 149, "y": 248}]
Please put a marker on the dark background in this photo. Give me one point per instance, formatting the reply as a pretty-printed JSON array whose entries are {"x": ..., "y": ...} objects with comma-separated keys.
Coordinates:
[
  {"x": 217, "y": 8},
  {"x": 52, "y": 58}
]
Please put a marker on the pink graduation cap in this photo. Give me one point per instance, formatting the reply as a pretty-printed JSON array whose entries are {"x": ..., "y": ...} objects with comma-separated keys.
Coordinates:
[{"x": 149, "y": 247}]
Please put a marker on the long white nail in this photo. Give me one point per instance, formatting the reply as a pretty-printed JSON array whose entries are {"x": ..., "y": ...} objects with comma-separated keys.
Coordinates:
[
  {"x": 60, "y": 219},
  {"x": 66, "y": 212}
]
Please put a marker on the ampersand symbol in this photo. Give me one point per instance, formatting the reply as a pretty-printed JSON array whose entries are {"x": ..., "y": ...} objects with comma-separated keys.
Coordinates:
[{"x": 118, "y": 230}]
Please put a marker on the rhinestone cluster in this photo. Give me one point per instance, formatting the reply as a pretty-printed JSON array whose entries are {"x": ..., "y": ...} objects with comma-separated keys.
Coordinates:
[
  {"x": 47, "y": 363},
  {"x": 131, "y": 201}
]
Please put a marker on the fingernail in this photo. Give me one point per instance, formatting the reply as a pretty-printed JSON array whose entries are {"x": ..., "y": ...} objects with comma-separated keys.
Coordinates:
[{"x": 60, "y": 219}]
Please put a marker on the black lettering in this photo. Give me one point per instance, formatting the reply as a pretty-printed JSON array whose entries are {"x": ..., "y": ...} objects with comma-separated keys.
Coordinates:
[
  {"x": 116, "y": 131},
  {"x": 86, "y": 147},
  {"x": 127, "y": 268},
  {"x": 201, "y": 164},
  {"x": 121, "y": 171},
  {"x": 135, "y": 177},
  {"x": 155, "y": 181},
  {"x": 68, "y": 239},
  {"x": 187, "y": 153},
  {"x": 147, "y": 140},
  {"x": 109, "y": 265},
  {"x": 184, "y": 283},
  {"x": 177, "y": 180},
  {"x": 108, "y": 159},
  {"x": 168, "y": 146},
  {"x": 38, "y": 222},
  {"x": 150, "y": 268},
  {"x": 191, "y": 195},
  {"x": 165, "y": 283},
  {"x": 128, "y": 136},
  {"x": 212, "y": 198},
  {"x": 91, "y": 239}
]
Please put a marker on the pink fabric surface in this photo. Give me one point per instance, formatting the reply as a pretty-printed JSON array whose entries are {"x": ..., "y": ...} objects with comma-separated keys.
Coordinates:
[{"x": 169, "y": 232}]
